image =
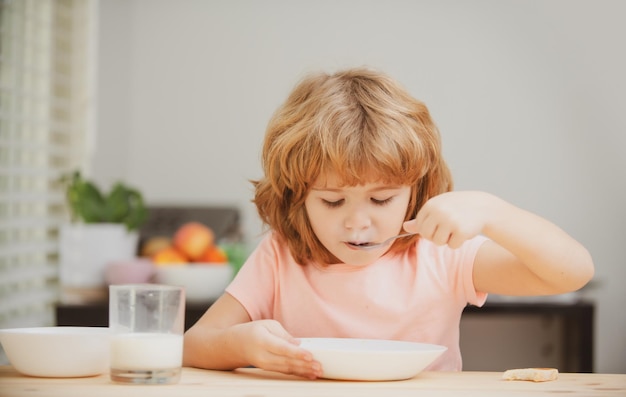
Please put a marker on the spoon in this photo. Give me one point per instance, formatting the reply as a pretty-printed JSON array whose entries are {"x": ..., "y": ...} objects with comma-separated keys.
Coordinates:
[{"x": 371, "y": 246}]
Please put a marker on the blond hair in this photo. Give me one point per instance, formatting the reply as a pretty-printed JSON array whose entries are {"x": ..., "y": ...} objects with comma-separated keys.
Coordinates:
[{"x": 355, "y": 123}]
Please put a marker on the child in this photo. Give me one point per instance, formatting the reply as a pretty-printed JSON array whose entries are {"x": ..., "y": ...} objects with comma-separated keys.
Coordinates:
[{"x": 351, "y": 159}]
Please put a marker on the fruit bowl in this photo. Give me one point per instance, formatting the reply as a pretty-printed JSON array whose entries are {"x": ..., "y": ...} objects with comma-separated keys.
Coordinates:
[
  {"x": 57, "y": 352},
  {"x": 203, "y": 282}
]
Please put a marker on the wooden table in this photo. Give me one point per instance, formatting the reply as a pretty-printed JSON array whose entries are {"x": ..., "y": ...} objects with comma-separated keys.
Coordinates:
[{"x": 254, "y": 382}]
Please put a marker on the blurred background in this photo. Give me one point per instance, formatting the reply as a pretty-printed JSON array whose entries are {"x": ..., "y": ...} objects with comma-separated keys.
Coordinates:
[{"x": 173, "y": 97}]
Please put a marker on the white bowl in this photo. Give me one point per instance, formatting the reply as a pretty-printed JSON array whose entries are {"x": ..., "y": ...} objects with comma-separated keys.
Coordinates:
[
  {"x": 57, "y": 352},
  {"x": 203, "y": 282},
  {"x": 371, "y": 359}
]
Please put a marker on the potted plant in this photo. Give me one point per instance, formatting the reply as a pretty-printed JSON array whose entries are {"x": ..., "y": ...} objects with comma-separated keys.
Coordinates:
[
  {"x": 123, "y": 205},
  {"x": 103, "y": 229}
]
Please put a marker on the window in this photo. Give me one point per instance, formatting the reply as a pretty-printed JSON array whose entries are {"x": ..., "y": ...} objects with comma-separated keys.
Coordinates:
[{"x": 46, "y": 121}]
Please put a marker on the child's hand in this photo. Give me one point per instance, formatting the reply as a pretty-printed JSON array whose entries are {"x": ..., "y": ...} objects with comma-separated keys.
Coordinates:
[
  {"x": 267, "y": 345},
  {"x": 454, "y": 217}
]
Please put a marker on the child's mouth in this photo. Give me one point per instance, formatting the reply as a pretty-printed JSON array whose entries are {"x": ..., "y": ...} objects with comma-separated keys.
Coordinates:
[{"x": 358, "y": 244}]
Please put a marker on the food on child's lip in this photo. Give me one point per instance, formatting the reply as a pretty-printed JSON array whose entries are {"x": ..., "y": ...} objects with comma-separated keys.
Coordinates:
[
  {"x": 192, "y": 243},
  {"x": 531, "y": 374}
]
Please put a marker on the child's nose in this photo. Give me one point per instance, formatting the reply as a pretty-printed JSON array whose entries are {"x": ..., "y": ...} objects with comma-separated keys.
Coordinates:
[{"x": 358, "y": 219}]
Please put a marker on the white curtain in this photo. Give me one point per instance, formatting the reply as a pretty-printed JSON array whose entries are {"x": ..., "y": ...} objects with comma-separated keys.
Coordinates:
[{"x": 46, "y": 121}]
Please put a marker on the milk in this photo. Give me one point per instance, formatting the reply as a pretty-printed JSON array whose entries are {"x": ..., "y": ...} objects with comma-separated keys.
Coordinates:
[{"x": 146, "y": 351}]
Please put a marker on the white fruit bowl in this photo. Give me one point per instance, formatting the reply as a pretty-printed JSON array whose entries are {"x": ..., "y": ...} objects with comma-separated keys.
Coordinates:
[
  {"x": 371, "y": 359},
  {"x": 203, "y": 282},
  {"x": 57, "y": 352}
]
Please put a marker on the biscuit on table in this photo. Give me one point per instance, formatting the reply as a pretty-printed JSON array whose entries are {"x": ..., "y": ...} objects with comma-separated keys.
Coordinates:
[{"x": 531, "y": 374}]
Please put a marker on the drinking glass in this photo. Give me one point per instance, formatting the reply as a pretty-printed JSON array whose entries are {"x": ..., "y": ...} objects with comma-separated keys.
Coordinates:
[{"x": 147, "y": 323}]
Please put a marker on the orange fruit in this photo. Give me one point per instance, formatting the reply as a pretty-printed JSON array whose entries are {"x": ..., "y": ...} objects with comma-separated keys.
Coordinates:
[
  {"x": 155, "y": 244},
  {"x": 214, "y": 254},
  {"x": 169, "y": 256}
]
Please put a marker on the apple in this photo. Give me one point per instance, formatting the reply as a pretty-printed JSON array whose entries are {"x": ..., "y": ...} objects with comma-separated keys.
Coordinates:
[{"x": 193, "y": 239}]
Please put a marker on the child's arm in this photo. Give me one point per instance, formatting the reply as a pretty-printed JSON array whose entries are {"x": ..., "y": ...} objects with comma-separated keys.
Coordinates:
[
  {"x": 528, "y": 256},
  {"x": 224, "y": 338}
]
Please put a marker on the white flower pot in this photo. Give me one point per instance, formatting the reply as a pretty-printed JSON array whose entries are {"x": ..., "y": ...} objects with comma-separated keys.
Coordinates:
[{"x": 86, "y": 249}]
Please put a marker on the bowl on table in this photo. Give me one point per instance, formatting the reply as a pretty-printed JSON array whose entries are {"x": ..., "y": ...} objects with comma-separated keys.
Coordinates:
[
  {"x": 203, "y": 282},
  {"x": 57, "y": 352},
  {"x": 371, "y": 359}
]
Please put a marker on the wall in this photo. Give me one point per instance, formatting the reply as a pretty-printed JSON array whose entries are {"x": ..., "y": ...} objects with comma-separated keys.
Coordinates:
[{"x": 528, "y": 96}]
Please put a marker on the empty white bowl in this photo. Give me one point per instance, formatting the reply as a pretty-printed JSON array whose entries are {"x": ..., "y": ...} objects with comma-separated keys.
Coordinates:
[
  {"x": 203, "y": 282},
  {"x": 57, "y": 352},
  {"x": 371, "y": 359}
]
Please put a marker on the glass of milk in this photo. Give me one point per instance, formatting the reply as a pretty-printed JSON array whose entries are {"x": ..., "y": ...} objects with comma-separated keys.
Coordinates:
[{"x": 147, "y": 322}]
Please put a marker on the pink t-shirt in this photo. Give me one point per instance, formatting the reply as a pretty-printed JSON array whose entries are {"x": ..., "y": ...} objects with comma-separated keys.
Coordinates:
[{"x": 417, "y": 296}]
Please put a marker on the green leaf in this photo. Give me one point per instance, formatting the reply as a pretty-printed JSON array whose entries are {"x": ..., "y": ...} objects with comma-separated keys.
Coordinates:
[
  {"x": 85, "y": 200},
  {"x": 116, "y": 205},
  {"x": 87, "y": 203},
  {"x": 138, "y": 213}
]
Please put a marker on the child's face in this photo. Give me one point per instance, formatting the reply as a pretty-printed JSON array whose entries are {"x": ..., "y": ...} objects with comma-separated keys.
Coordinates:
[{"x": 345, "y": 216}]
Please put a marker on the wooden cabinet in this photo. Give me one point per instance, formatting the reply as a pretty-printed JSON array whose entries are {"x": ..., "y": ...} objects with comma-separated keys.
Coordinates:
[
  {"x": 496, "y": 337},
  {"x": 96, "y": 314},
  {"x": 501, "y": 336}
]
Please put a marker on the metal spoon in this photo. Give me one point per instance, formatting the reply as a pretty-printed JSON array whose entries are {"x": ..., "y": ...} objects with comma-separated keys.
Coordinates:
[{"x": 371, "y": 246}]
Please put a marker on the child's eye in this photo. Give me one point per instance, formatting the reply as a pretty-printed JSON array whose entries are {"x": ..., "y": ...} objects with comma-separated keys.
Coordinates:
[
  {"x": 381, "y": 202},
  {"x": 332, "y": 204}
]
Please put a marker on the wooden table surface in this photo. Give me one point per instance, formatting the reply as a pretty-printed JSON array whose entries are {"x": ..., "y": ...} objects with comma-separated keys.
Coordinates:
[{"x": 257, "y": 383}]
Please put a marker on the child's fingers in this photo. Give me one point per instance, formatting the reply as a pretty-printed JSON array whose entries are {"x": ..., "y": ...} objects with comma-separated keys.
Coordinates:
[
  {"x": 307, "y": 369},
  {"x": 282, "y": 353},
  {"x": 410, "y": 226},
  {"x": 426, "y": 225},
  {"x": 290, "y": 359},
  {"x": 441, "y": 235}
]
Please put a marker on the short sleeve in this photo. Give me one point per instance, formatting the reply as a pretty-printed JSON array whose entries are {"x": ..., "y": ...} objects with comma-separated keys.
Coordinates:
[
  {"x": 471, "y": 248},
  {"x": 255, "y": 283}
]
